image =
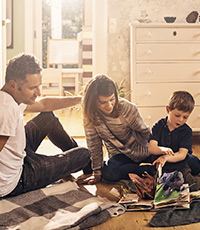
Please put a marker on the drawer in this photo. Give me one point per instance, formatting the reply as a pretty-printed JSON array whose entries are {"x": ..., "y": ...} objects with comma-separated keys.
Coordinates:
[
  {"x": 168, "y": 72},
  {"x": 151, "y": 115},
  {"x": 194, "y": 119},
  {"x": 167, "y": 52},
  {"x": 168, "y": 34},
  {"x": 157, "y": 94}
]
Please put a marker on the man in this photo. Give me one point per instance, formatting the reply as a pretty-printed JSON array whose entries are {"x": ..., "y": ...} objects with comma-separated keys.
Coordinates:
[{"x": 21, "y": 168}]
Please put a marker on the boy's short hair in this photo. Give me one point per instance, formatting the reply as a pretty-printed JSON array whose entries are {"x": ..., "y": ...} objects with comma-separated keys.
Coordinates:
[{"x": 181, "y": 100}]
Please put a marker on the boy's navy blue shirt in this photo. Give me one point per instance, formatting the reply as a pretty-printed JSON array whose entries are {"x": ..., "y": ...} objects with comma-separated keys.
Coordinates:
[{"x": 180, "y": 137}]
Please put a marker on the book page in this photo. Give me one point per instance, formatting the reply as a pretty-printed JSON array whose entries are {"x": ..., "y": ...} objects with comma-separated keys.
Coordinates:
[{"x": 175, "y": 198}]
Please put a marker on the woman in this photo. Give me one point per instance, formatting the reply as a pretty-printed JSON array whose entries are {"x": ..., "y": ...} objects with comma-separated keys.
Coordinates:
[{"x": 116, "y": 123}]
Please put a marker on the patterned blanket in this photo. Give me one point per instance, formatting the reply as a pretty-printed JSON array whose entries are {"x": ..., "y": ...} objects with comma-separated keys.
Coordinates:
[{"x": 61, "y": 206}]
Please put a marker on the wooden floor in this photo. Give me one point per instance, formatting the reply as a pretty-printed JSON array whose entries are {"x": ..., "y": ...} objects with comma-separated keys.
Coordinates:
[{"x": 72, "y": 122}]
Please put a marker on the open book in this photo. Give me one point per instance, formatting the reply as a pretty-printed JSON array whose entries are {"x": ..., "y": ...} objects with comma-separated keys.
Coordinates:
[
  {"x": 175, "y": 200},
  {"x": 166, "y": 191}
]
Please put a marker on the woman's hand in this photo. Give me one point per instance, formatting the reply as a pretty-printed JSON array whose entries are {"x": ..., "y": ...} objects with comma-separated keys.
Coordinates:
[{"x": 90, "y": 180}]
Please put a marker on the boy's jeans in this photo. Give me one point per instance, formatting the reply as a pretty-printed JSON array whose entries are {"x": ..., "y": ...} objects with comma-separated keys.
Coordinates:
[{"x": 41, "y": 170}]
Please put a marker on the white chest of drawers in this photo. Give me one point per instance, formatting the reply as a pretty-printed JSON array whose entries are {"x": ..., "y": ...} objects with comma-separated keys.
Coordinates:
[{"x": 164, "y": 58}]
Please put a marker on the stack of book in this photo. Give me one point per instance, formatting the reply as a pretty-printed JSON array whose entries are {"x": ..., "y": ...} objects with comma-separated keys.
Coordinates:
[{"x": 132, "y": 202}]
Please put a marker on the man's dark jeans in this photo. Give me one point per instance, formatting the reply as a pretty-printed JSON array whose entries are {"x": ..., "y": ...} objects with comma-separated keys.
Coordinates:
[{"x": 42, "y": 170}]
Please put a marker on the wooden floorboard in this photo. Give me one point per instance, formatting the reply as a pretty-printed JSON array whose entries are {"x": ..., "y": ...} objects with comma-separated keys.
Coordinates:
[{"x": 72, "y": 122}]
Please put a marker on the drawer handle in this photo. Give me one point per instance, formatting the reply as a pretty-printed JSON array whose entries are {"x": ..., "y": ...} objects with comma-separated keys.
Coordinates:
[
  {"x": 149, "y": 52},
  {"x": 149, "y": 71},
  {"x": 149, "y": 34},
  {"x": 148, "y": 93},
  {"x": 174, "y": 33},
  {"x": 196, "y": 73},
  {"x": 149, "y": 117}
]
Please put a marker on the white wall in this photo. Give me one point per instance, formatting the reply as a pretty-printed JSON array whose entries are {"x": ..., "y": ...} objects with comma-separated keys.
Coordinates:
[
  {"x": 18, "y": 29},
  {"x": 2, "y": 41},
  {"x": 99, "y": 28},
  {"x": 27, "y": 28},
  {"x": 0, "y": 47},
  {"x": 33, "y": 27},
  {"x": 114, "y": 20}
]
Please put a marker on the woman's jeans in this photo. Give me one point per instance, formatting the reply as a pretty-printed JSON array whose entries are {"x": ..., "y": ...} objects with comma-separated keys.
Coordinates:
[
  {"x": 119, "y": 166},
  {"x": 41, "y": 170}
]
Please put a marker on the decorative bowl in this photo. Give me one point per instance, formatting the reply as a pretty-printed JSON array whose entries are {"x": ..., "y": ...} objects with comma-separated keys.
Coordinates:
[{"x": 170, "y": 19}]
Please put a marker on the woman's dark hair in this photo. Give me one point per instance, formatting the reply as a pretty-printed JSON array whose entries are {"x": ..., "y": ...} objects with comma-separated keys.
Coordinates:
[
  {"x": 21, "y": 65},
  {"x": 100, "y": 85}
]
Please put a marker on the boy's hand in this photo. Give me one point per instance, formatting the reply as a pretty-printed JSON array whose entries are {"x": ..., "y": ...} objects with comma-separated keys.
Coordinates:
[
  {"x": 161, "y": 160},
  {"x": 167, "y": 151}
]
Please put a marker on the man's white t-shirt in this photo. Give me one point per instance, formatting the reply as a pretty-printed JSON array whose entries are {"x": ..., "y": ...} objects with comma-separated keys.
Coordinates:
[{"x": 12, "y": 155}]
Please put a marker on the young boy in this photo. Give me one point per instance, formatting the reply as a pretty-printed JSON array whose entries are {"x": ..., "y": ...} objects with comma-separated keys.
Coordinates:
[{"x": 171, "y": 139}]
